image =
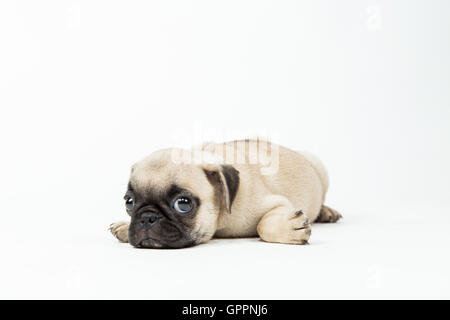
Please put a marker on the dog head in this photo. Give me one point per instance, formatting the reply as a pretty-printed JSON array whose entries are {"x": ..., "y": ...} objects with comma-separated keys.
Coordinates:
[{"x": 176, "y": 205}]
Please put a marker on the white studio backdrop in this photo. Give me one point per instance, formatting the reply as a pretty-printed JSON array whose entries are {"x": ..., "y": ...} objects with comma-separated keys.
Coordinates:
[{"x": 87, "y": 88}]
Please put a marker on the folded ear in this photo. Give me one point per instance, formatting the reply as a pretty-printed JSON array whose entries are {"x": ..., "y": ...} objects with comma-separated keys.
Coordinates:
[{"x": 226, "y": 178}]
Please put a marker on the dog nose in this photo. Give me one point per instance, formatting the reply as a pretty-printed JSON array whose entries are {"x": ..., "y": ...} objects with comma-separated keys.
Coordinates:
[{"x": 148, "y": 219}]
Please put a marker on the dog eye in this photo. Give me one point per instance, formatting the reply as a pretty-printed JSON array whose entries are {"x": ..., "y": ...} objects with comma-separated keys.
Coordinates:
[
  {"x": 182, "y": 205},
  {"x": 129, "y": 202}
]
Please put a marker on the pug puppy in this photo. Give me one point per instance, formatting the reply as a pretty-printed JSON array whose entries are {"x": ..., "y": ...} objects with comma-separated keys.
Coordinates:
[{"x": 179, "y": 198}]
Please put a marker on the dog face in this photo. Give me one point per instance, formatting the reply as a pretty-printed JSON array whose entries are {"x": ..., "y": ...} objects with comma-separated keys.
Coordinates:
[{"x": 177, "y": 205}]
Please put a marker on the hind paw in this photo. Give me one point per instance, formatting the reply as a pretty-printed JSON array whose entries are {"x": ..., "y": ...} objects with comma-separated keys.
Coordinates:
[{"x": 328, "y": 215}]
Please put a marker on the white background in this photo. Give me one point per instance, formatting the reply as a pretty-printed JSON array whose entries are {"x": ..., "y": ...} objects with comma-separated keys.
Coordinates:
[{"x": 89, "y": 87}]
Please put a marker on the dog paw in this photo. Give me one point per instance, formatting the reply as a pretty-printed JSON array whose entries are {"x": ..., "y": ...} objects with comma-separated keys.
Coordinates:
[
  {"x": 328, "y": 215},
  {"x": 285, "y": 227},
  {"x": 120, "y": 230},
  {"x": 300, "y": 229}
]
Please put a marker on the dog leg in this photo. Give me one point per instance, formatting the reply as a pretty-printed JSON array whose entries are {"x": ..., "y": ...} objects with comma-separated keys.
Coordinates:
[
  {"x": 284, "y": 224},
  {"x": 120, "y": 230},
  {"x": 328, "y": 215}
]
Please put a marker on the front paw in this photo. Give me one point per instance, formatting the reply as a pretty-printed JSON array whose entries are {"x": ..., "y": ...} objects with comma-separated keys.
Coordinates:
[
  {"x": 290, "y": 228},
  {"x": 300, "y": 229},
  {"x": 120, "y": 230}
]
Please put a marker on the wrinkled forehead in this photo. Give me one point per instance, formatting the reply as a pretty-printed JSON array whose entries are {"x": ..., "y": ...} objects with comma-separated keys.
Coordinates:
[{"x": 156, "y": 176}]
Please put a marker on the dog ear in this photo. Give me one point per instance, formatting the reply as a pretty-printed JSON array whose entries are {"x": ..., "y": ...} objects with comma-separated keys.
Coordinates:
[{"x": 226, "y": 178}]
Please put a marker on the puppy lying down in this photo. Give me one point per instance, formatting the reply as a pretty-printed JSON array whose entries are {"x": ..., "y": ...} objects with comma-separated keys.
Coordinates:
[{"x": 178, "y": 198}]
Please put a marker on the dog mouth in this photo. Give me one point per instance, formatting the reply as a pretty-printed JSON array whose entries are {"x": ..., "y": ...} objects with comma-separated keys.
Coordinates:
[
  {"x": 150, "y": 243},
  {"x": 168, "y": 238}
]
